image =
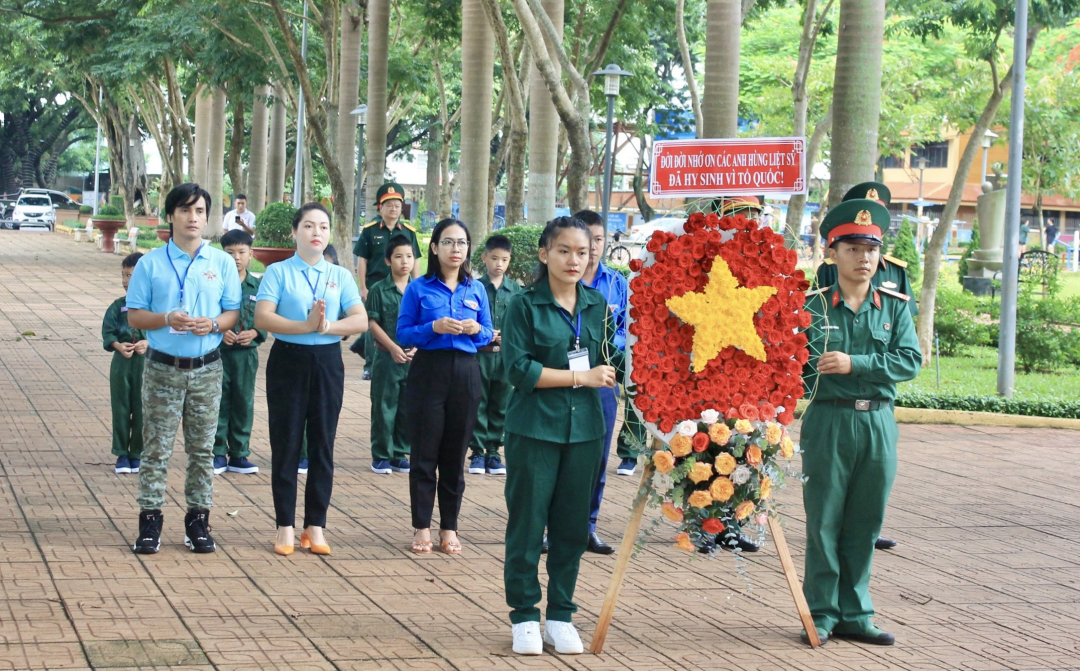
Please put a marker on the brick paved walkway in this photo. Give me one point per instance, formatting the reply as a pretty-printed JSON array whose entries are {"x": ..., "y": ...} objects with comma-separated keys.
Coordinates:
[{"x": 986, "y": 576}]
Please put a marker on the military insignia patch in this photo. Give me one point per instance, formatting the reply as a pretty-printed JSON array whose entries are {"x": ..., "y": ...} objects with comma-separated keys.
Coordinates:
[
  {"x": 889, "y": 284},
  {"x": 864, "y": 218}
]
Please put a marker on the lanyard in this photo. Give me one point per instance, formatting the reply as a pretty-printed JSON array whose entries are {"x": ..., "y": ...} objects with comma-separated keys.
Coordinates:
[
  {"x": 182, "y": 280},
  {"x": 577, "y": 329},
  {"x": 313, "y": 287}
]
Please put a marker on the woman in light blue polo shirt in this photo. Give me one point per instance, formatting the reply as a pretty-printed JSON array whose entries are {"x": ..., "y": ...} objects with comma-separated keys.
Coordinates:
[{"x": 300, "y": 301}]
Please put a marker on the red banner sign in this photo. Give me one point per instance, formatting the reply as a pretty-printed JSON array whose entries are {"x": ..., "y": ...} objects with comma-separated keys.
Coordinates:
[{"x": 728, "y": 167}]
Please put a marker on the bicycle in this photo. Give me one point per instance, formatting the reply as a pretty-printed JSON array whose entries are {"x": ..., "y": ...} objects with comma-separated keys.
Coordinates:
[{"x": 618, "y": 254}]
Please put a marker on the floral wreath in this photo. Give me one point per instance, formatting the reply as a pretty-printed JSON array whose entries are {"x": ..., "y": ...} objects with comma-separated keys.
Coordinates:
[{"x": 715, "y": 370}]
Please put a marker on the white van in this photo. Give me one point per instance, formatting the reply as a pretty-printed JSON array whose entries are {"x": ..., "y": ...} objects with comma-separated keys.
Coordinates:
[{"x": 34, "y": 210}]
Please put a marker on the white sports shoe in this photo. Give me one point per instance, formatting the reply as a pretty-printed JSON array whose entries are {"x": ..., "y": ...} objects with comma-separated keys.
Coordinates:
[
  {"x": 527, "y": 640},
  {"x": 564, "y": 637}
]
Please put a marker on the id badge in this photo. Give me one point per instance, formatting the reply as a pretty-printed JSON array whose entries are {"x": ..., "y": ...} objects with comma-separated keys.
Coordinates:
[
  {"x": 173, "y": 331},
  {"x": 579, "y": 360}
]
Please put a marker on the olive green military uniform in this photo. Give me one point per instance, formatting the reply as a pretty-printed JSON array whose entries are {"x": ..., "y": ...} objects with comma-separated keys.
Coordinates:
[
  {"x": 389, "y": 437},
  {"x": 371, "y": 245},
  {"x": 849, "y": 433},
  {"x": 554, "y": 440},
  {"x": 495, "y": 389},
  {"x": 240, "y": 364},
  {"x": 125, "y": 381},
  {"x": 891, "y": 274}
]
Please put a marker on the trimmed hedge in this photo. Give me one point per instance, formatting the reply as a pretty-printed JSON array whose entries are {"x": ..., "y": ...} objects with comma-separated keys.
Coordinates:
[{"x": 996, "y": 404}]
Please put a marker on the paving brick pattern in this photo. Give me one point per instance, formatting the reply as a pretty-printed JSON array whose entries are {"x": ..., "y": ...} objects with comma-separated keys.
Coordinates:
[{"x": 987, "y": 575}]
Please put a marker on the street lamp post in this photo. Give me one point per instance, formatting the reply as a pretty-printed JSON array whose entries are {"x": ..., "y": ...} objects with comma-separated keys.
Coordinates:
[
  {"x": 612, "y": 75},
  {"x": 298, "y": 171},
  {"x": 97, "y": 160},
  {"x": 921, "y": 162},
  {"x": 361, "y": 120},
  {"x": 987, "y": 140}
]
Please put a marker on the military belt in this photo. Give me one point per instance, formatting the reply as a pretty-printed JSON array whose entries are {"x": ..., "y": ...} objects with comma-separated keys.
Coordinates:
[
  {"x": 853, "y": 404},
  {"x": 183, "y": 362}
]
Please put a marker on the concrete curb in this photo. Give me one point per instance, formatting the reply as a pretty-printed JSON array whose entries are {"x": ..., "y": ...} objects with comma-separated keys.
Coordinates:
[{"x": 968, "y": 418}]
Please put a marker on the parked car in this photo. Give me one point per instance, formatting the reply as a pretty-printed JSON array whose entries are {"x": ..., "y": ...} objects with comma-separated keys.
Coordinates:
[
  {"x": 639, "y": 234},
  {"x": 59, "y": 200},
  {"x": 34, "y": 210}
]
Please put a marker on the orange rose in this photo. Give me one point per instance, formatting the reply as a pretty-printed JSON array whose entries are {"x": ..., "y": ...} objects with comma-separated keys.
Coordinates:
[
  {"x": 753, "y": 455},
  {"x": 719, "y": 433},
  {"x": 682, "y": 541},
  {"x": 744, "y": 510},
  {"x": 699, "y": 499},
  {"x": 671, "y": 512},
  {"x": 766, "y": 487},
  {"x": 664, "y": 461},
  {"x": 724, "y": 464},
  {"x": 721, "y": 489},
  {"x": 712, "y": 526},
  {"x": 787, "y": 447},
  {"x": 700, "y": 472},
  {"x": 681, "y": 445},
  {"x": 773, "y": 433},
  {"x": 744, "y": 426}
]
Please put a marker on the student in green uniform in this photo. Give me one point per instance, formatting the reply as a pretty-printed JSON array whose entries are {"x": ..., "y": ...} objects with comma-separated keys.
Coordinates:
[
  {"x": 558, "y": 351},
  {"x": 389, "y": 436},
  {"x": 240, "y": 363},
  {"x": 495, "y": 392},
  {"x": 128, "y": 346},
  {"x": 370, "y": 250},
  {"x": 891, "y": 274},
  {"x": 867, "y": 343}
]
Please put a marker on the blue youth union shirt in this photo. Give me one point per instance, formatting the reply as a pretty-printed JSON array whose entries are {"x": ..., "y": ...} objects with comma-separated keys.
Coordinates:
[
  {"x": 211, "y": 286},
  {"x": 293, "y": 286},
  {"x": 428, "y": 299},
  {"x": 616, "y": 292}
]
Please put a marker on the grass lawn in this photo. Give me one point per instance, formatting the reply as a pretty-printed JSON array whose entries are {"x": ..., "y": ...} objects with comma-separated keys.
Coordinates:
[{"x": 977, "y": 376}]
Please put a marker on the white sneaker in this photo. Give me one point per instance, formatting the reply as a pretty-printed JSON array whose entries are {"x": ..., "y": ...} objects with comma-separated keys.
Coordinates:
[
  {"x": 564, "y": 637},
  {"x": 527, "y": 640}
]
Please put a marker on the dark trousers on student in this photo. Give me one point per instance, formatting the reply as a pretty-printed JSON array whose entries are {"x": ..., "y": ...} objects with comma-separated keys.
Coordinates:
[
  {"x": 442, "y": 394},
  {"x": 609, "y": 401},
  {"x": 304, "y": 385}
]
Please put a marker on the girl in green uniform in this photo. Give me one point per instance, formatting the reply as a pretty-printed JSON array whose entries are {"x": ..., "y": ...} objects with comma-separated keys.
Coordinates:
[{"x": 556, "y": 345}]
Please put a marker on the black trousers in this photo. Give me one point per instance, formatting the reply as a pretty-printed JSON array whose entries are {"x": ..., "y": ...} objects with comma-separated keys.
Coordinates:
[
  {"x": 442, "y": 393},
  {"x": 304, "y": 386}
]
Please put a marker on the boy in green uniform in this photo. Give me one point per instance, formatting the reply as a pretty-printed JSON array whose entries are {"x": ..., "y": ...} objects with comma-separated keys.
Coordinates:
[
  {"x": 891, "y": 274},
  {"x": 128, "y": 346},
  {"x": 370, "y": 250},
  {"x": 495, "y": 392},
  {"x": 240, "y": 363},
  {"x": 389, "y": 438},
  {"x": 867, "y": 343}
]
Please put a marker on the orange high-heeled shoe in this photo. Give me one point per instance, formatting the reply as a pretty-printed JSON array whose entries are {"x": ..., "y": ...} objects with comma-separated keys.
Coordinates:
[
  {"x": 284, "y": 550},
  {"x": 305, "y": 542}
]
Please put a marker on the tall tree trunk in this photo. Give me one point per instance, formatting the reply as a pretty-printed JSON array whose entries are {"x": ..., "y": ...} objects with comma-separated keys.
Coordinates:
[
  {"x": 932, "y": 254},
  {"x": 797, "y": 204},
  {"x": 375, "y": 152},
  {"x": 352, "y": 26},
  {"x": 431, "y": 181},
  {"x": 200, "y": 159},
  {"x": 647, "y": 212},
  {"x": 215, "y": 172},
  {"x": 856, "y": 95},
  {"x": 543, "y": 148},
  {"x": 477, "y": 74},
  {"x": 235, "y": 163},
  {"x": 257, "y": 153},
  {"x": 276, "y": 150},
  {"x": 688, "y": 68},
  {"x": 720, "y": 107}
]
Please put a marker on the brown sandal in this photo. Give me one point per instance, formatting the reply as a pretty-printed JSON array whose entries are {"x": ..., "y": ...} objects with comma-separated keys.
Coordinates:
[
  {"x": 450, "y": 546},
  {"x": 421, "y": 547}
]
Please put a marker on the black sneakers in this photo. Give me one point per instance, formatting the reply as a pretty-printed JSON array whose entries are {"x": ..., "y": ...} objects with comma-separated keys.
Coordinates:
[
  {"x": 149, "y": 541},
  {"x": 197, "y": 531}
]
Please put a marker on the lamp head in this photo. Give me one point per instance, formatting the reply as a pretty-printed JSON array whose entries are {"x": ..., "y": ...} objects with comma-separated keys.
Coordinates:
[
  {"x": 612, "y": 74},
  {"x": 361, "y": 115}
]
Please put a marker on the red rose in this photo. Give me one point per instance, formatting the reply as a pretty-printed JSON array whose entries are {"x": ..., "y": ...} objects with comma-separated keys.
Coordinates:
[
  {"x": 767, "y": 411},
  {"x": 712, "y": 526},
  {"x": 654, "y": 244},
  {"x": 786, "y": 417},
  {"x": 732, "y": 413},
  {"x": 748, "y": 411},
  {"x": 776, "y": 398},
  {"x": 778, "y": 254},
  {"x": 635, "y": 265},
  {"x": 804, "y": 319},
  {"x": 701, "y": 441}
]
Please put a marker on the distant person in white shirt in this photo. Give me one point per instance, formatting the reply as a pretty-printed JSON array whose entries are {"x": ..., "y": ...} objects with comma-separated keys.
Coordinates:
[{"x": 240, "y": 218}]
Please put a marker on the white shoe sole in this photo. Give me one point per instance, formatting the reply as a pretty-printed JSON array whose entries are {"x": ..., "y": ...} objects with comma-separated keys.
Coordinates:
[
  {"x": 477, "y": 471},
  {"x": 245, "y": 471},
  {"x": 497, "y": 471},
  {"x": 133, "y": 471},
  {"x": 564, "y": 651},
  {"x": 529, "y": 650},
  {"x": 382, "y": 471},
  {"x": 400, "y": 470},
  {"x": 622, "y": 471},
  {"x": 191, "y": 546},
  {"x": 219, "y": 471},
  {"x": 119, "y": 471},
  {"x": 301, "y": 471}
]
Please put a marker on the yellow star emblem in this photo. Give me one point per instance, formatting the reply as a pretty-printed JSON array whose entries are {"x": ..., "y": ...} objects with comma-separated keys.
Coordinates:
[{"x": 722, "y": 315}]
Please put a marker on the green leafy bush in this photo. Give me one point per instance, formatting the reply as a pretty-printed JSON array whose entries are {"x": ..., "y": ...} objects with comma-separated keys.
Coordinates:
[
  {"x": 86, "y": 209},
  {"x": 904, "y": 249},
  {"x": 1047, "y": 331},
  {"x": 969, "y": 250},
  {"x": 1008, "y": 406},
  {"x": 523, "y": 260},
  {"x": 273, "y": 226},
  {"x": 960, "y": 320},
  {"x": 110, "y": 213}
]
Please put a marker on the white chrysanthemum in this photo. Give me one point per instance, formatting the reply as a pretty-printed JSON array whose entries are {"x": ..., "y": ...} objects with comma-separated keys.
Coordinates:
[
  {"x": 662, "y": 483},
  {"x": 710, "y": 417},
  {"x": 741, "y": 475},
  {"x": 687, "y": 428}
]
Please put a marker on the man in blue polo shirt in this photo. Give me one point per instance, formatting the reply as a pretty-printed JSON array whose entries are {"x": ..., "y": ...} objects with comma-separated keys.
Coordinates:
[{"x": 184, "y": 295}]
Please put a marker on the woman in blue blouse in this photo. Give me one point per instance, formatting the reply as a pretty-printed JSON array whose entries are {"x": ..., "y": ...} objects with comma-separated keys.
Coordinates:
[
  {"x": 445, "y": 316},
  {"x": 299, "y": 301}
]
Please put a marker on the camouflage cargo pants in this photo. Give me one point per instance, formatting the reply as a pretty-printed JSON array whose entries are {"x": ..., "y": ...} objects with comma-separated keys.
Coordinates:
[{"x": 169, "y": 396}]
